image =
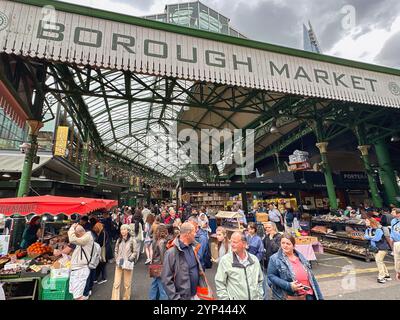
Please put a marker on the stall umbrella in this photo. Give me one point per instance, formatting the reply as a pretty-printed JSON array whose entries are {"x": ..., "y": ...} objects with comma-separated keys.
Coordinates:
[{"x": 53, "y": 205}]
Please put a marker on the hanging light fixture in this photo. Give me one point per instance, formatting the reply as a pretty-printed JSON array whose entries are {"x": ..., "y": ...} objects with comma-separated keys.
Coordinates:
[
  {"x": 274, "y": 128},
  {"x": 395, "y": 138},
  {"x": 6, "y": 175}
]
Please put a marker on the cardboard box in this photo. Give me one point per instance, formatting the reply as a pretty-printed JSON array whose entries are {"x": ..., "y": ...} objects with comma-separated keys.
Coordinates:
[
  {"x": 58, "y": 271},
  {"x": 306, "y": 240},
  {"x": 261, "y": 217}
]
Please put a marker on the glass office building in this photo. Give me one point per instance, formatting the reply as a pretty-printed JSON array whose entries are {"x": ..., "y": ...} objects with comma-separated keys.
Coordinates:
[{"x": 196, "y": 15}]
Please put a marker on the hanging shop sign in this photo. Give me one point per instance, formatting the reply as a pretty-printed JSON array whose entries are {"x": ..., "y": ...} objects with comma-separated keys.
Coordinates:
[
  {"x": 61, "y": 141},
  {"x": 123, "y": 42},
  {"x": 354, "y": 177}
]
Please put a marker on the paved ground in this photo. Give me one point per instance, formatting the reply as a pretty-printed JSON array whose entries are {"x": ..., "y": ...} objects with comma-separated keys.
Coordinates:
[{"x": 340, "y": 278}]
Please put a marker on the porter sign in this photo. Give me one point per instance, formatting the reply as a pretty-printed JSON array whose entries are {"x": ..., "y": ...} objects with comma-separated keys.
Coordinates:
[{"x": 153, "y": 48}]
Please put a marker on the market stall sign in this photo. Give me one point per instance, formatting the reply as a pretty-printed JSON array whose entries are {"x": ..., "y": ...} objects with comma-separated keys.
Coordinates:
[
  {"x": 127, "y": 43},
  {"x": 354, "y": 177},
  {"x": 61, "y": 141}
]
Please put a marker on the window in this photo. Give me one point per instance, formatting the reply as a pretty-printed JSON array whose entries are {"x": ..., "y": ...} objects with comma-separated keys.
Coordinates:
[{"x": 214, "y": 22}]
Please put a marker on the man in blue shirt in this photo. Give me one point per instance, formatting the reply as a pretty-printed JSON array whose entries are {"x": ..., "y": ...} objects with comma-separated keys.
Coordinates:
[
  {"x": 275, "y": 216},
  {"x": 395, "y": 236}
]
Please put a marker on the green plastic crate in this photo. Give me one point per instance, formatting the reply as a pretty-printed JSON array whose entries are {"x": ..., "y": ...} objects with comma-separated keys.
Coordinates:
[
  {"x": 56, "y": 295},
  {"x": 56, "y": 284},
  {"x": 55, "y": 289}
]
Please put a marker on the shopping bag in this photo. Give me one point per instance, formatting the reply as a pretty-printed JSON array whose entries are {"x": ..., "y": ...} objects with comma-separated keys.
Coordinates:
[
  {"x": 203, "y": 290},
  {"x": 155, "y": 270}
]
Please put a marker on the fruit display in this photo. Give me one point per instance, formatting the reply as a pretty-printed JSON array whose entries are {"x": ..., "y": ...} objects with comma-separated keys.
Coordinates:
[
  {"x": 21, "y": 253},
  {"x": 13, "y": 271},
  {"x": 44, "y": 260},
  {"x": 39, "y": 248}
]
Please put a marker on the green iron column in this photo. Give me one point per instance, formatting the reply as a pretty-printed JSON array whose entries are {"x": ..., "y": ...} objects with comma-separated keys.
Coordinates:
[
  {"x": 386, "y": 172},
  {"x": 330, "y": 187},
  {"x": 30, "y": 155},
  {"x": 376, "y": 198},
  {"x": 84, "y": 165}
]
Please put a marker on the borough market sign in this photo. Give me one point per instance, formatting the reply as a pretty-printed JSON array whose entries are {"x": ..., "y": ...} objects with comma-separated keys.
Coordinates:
[{"x": 76, "y": 38}]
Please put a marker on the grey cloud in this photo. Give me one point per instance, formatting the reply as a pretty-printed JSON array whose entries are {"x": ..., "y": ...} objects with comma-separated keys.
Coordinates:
[
  {"x": 389, "y": 54},
  {"x": 138, "y": 4},
  {"x": 281, "y": 23}
]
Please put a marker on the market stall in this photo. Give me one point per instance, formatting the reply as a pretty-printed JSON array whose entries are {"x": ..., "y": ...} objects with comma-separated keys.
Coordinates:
[
  {"x": 37, "y": 266},
  {"x": 342, "y": 235},
  {"x": 231, "y": 222},
  {"x": 308, "y": 246}
]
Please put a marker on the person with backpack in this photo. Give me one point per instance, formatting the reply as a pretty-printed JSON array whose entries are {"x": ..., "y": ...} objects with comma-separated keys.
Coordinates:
[
  {"x": 379, "y": 246},
  {"x": 386, "y": 220},
  {"x": 395, "y": 236},
  {"x": 94, "y": 255},
  {"x": 126, "y": 253},
  {"x": 84, "y": 246}
]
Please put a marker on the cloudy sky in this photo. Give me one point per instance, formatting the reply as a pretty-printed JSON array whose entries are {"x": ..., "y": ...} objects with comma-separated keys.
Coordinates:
[{"x": 363, "y": 30}]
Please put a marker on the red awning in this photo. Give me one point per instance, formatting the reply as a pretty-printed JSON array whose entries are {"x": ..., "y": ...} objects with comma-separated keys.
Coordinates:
[{"x": 53, "y": 205}]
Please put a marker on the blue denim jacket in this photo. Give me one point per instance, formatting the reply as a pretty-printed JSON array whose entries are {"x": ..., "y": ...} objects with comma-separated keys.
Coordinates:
[{"x": 280, "y": 275}]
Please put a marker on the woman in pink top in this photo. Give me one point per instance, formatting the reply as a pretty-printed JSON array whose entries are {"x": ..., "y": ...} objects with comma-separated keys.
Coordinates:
[{"x": 289, "y": 274}]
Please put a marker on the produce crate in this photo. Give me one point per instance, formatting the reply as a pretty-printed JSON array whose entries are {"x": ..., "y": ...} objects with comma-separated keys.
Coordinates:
[
  {"x": 55, "y": 284},
  {"x": 55, "y": 289},
  {"x": 56, "y": 295}
]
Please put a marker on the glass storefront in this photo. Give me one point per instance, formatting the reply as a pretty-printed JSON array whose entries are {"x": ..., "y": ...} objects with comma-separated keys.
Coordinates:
[{"x": 11, "y": 135}]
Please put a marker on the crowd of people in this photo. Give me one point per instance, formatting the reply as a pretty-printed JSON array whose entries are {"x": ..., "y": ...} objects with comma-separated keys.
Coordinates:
[{"x": 175, "y": 242}]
